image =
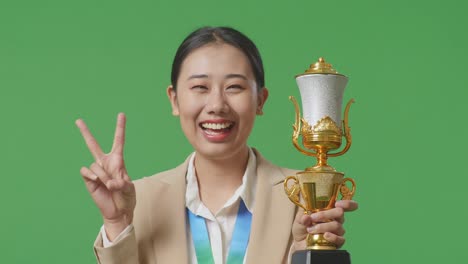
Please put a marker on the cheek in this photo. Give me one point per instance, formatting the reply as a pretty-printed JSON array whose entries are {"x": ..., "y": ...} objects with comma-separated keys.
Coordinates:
[
  {"x": 189, "y": 104},
  {"x": 246, "y": 109},
  {"x": 188, "y": 122}
]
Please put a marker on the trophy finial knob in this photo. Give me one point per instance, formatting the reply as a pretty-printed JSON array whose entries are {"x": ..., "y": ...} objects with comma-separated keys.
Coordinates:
[{"x": 320, "y": 67}]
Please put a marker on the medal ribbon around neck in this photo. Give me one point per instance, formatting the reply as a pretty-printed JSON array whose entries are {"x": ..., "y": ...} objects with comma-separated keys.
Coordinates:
[{"x": 240, "y": 237}]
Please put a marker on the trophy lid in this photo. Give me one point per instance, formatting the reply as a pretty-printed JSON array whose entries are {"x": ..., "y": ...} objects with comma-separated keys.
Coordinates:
[{"x": 320, "y": 67}]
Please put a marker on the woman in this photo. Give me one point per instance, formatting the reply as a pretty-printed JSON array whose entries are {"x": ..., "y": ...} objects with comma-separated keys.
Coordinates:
[{"x": 225, "y": 203}]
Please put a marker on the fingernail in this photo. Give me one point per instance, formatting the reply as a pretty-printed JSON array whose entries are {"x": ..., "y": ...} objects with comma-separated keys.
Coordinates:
[
  {"x": 314, "y": 217},
  {"x": 311, "y": 229}
]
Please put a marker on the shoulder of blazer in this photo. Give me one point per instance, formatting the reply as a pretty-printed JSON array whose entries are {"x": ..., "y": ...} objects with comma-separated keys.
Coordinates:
[
  {"x": 171, "y": 176},
  {"x": 157, "y": 193},
  {"x": 277, "y": 173}
]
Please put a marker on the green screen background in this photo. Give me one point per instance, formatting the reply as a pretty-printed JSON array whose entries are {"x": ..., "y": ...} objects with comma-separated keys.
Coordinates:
[{"x": 62, "y": 60}]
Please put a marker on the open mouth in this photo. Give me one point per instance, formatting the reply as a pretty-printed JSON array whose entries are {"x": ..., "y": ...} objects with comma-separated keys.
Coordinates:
[{"x": 217, "y": 128}]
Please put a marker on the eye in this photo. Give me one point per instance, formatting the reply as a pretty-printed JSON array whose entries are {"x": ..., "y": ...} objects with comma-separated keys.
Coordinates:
[
  {"x": 235, "y": 88},
  {"x": 199, "y": 88}
]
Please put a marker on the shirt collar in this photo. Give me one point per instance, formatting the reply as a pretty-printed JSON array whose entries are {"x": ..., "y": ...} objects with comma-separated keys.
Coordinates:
[{"x": 246, "y": 191}]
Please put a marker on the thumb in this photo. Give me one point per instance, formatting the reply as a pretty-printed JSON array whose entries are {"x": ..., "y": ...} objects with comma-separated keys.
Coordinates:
[
  {"x": 301, "y": 222},
  {"x": 128, "y": 188}
]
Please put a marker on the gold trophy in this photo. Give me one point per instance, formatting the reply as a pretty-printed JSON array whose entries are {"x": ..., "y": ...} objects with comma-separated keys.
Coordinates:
[{"x": 322, "y": 129}]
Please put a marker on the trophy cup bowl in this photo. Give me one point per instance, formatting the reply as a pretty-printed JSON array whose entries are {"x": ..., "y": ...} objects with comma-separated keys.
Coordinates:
[{"x": 322, "y": 129}]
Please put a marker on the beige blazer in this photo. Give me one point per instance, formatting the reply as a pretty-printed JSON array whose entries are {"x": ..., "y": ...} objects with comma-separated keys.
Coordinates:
[{"x": 160, "y": 229}]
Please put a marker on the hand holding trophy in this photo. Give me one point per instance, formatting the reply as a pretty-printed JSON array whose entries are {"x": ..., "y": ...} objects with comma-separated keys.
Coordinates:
[{"x": 316, "y": 188}]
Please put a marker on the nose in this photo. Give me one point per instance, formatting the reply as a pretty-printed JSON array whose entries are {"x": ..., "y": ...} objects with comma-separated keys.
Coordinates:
[{"x": 217, "y": 103}]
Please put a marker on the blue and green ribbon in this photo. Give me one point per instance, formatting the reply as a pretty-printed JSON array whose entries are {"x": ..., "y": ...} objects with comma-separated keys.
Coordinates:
[{"x": 239, "y": 242}]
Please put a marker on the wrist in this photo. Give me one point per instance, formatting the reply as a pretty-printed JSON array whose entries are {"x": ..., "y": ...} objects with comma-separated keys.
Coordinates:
[
  {"x": 115, "y": 226},
  {"x": 298, "y": 245}
]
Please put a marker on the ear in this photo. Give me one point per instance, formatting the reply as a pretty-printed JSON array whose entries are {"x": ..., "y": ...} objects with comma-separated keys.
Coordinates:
[
  {"x": 172, "y": 95},
  {"x": 262, "y": 97}
]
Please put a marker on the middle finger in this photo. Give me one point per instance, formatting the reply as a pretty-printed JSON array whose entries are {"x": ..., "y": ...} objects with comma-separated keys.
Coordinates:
[
  {"x": 332, "y": 227},
  {"x": 327, "y": 215}
]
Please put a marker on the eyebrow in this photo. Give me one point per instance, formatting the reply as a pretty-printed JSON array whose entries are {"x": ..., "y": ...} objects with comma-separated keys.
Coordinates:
[
  {"x": 228, "y": 76},
  {"x": 234, "y": 75},
  {"x": 197, "y": 76}
]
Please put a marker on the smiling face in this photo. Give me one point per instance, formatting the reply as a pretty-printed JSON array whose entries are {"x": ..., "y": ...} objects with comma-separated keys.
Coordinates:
[{"x": 217, "y": 100}]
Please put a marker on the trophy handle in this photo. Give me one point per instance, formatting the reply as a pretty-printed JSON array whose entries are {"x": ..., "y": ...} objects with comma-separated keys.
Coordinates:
[
  {"x": 294, "y": 191},
  {"x": 346, "y": 193},
  {"x": 297, "y": 129},
  {"x": 346, "y": 132}
]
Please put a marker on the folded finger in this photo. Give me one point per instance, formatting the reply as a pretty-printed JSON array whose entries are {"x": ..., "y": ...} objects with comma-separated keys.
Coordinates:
[
  {"x": 347, "y": 205},
  {"x": 335, "y": 239},
  {"x": 100, "y": 173},
  {"x": 115, "y": 184},
  {"x": 91, "y": 181},
  {"x": 327, "y": 215},
  {"x": 332, "y": 227},
  {"x": 88, "y": 174},
  {"x": 303, "y": 219}
]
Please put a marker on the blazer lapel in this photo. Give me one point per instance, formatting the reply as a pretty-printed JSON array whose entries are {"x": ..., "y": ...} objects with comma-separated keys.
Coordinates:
[
  {"x": 168, "y": 213},
  {"x": 272, "y": 217}
]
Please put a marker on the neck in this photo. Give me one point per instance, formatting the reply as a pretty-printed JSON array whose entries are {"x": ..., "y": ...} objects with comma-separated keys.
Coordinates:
[{"x": 218, "y": 179}]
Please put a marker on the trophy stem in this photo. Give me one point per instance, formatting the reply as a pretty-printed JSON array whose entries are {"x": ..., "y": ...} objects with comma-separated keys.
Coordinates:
[
  {"x": 322, "y": 158},
  {"x": 322, "y": 161}
]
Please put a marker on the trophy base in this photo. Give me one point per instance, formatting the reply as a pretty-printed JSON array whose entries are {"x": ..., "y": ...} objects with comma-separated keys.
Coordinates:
[{"x": 321, "y": 257}]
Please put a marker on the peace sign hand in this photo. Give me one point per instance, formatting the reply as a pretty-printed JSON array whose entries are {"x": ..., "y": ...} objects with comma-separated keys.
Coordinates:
[{"x": 107, "y": 180}]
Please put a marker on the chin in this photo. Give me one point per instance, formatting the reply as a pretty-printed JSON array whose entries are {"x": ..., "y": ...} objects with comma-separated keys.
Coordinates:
[{"x": 219, "y": 151}]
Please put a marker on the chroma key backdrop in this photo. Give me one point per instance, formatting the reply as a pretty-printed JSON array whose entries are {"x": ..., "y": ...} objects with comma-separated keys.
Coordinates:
[{"x": 406, "y": 63}]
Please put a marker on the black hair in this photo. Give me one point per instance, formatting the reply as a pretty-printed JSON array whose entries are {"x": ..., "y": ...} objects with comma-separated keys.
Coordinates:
[{"x": 207, "y": 35}]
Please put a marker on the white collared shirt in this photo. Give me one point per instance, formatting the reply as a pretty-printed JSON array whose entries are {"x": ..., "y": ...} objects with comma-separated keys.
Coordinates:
[{"x": 220, "y": 225}]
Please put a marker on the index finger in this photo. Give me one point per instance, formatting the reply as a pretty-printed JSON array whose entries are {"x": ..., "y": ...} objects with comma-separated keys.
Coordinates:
[
  {"x": 328, "y": 215},
  {"x": 119, "y": 137},
  {"x": 91, "y": 142},
  {"x": 347, "y": 205}
]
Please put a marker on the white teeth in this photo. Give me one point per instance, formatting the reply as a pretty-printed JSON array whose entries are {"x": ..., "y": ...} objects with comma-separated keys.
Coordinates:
[
  {"x": 212, "y": 132},
  {"x": 216, "y": 125}
]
